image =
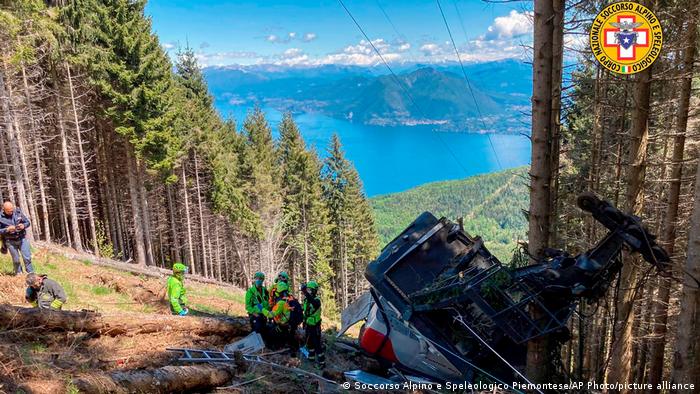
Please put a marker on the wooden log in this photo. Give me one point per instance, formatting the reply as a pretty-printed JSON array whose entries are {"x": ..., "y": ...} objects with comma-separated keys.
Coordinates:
[
  {"x": 12, "y": 317},
  {"x": 168, "y": 379}
]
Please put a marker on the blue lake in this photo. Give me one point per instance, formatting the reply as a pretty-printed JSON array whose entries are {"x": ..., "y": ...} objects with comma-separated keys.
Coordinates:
[{"x": 393, "y": 159}]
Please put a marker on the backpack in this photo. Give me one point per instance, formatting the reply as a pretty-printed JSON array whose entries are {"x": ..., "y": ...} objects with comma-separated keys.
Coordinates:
[{"x": 297, "y": 314}]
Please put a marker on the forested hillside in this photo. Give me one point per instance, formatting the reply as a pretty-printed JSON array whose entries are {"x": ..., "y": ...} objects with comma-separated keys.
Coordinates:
[
  {"x": 109, "y": 147},
  {"x": 492, "y": 206}
]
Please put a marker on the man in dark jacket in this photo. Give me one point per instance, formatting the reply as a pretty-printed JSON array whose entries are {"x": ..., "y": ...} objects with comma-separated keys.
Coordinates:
[
  {"x": 13, "y": 230},
  {"x": 44, "y": 293}
]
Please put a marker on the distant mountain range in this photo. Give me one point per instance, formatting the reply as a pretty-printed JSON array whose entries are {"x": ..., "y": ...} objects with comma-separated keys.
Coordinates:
[{"x": 436, "y": 94}]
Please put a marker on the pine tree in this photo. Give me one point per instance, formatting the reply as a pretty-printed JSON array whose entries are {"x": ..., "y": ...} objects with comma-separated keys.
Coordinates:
[
  {"x": 352, "y": 228},
  {"x": 260, "y": 174},
  {"x": 305, "y": 213}
]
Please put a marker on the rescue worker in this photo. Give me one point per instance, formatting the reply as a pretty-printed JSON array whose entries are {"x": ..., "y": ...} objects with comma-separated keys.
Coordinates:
[
  {"x": 176, "y": 290},
  {"x": 257, "y": 304},
  {"x": 44, "y": 293},
  {"x": 312, "y": 323},
  {"x": 281, "y": 277},
  {"x": 13, "y": 230},
  {"x": 280, "y": 314}
]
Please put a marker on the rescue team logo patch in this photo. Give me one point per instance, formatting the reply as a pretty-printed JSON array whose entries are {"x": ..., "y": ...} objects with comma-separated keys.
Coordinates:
[{"x": 626, "y": 37}]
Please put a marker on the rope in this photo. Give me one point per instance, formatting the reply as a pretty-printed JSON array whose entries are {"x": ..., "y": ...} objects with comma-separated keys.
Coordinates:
[
  {"x": 483, "y": 341},
  {"x": 469, "y": 85},
  {"x": 472, "y": 365},
  {"x": 402, "y": 85},
  {"x": 260, "y": 360}
]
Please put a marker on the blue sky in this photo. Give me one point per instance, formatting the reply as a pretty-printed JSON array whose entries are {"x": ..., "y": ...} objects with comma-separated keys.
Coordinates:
[{"x": 301, "y": 32}]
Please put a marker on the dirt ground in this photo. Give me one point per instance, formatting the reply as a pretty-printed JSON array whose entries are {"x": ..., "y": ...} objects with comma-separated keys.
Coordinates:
[{"x": 35, "y": 361}]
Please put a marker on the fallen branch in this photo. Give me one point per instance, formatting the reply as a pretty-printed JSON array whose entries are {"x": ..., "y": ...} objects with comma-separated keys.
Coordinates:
[
  {"x": 167, "y": 379},
  {"x": 260, "y": 360},
  {"x": 13, "y": 317},
  {"x": 150, "y": 271}
]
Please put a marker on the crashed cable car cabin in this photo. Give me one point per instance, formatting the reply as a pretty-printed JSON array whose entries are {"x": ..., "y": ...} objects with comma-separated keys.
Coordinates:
[{"x": 442, "y": 307}]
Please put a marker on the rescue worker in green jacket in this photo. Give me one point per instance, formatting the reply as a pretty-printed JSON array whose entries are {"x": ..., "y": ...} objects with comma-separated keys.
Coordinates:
[
  {"x": 281, "y": 277},
  {"x": 44, "y": 293},
  {"x": 280, "y": 315},
  {"x": 177, "y": 295},
  {"x": 312, "y": 323},
  {"x": 257, "y": 304}
]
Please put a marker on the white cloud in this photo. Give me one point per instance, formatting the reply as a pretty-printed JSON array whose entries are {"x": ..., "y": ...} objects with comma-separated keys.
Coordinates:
[
  {"x": 508, "y": 37},
  {"x": 363, "y": 54},
  {"x": 225, "y": 58},
  {"x": 513, "y": 25},
  {"x": 168, "y": 45},
  {"x": 431, "y": 49},
  {"x": 289, "y": 37},
  {"x": 360, "y": 54},
  {"x": 292, "y": 52},
  {"x": 293, "y": 57}
]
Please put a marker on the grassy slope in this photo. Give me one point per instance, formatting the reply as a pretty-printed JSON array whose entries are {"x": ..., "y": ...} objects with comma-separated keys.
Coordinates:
[
  {"x": 105, "y": 289},
  {"x": 491, "y": 205}
]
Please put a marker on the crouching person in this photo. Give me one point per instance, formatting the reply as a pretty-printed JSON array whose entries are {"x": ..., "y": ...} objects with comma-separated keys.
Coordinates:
[
  {"x": 281, "y": 333},
  {"x": 44, "y": 293},
  {"x": 177, "y": 297},
  {"x": 312, "y": 324}
]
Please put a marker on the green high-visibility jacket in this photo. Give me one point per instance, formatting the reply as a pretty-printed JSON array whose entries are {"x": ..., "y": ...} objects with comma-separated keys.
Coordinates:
[
  {"x": 253, "y": 297},
  {"x": 176, "y": 294},
  {"x": 312, "y": 311}
]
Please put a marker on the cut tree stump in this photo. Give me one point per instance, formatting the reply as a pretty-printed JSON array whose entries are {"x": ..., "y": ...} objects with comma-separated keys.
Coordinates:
[
  {"x": 12, "y": 317},
  {"x": 169, "y": 379}
]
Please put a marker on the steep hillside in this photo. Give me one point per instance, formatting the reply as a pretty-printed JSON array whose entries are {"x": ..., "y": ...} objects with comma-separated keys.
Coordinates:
[
  {"x": 35, "y": 359},
  {"x": 491, "y": 205}
]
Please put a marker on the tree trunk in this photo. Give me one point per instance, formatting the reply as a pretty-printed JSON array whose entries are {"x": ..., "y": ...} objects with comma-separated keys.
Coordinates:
[
  {"x": 189, "y": 221},
  {"x": 68, "y": 172},
  {"x": 306, "y": 243},
  {"x": 173, "y": 227},
  {"x": 168, "y": 379},
  {"x": 218, "y": 253},
  {"x": 42, "y": 194},
  {"x": 13, "y": 137},
  {"x": 621, "y": 361},
  {"x": 145, "y": 214},
  {"x": 35, "y": 136},
  {"x": 13, "y": 317},
  {"x": 201, "y": 217},
  {"x": 118, "y": 219},
  {"x": 555, "y": 121},
  {"x": 140, "y": 249},
  {"x": 540, "y": 168},
  {"x": 3, "y": 158},
  {"x": 83, "y": 166},
  {"x": 668, "y": 237},
  {"x": 686, "y": 354}
]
